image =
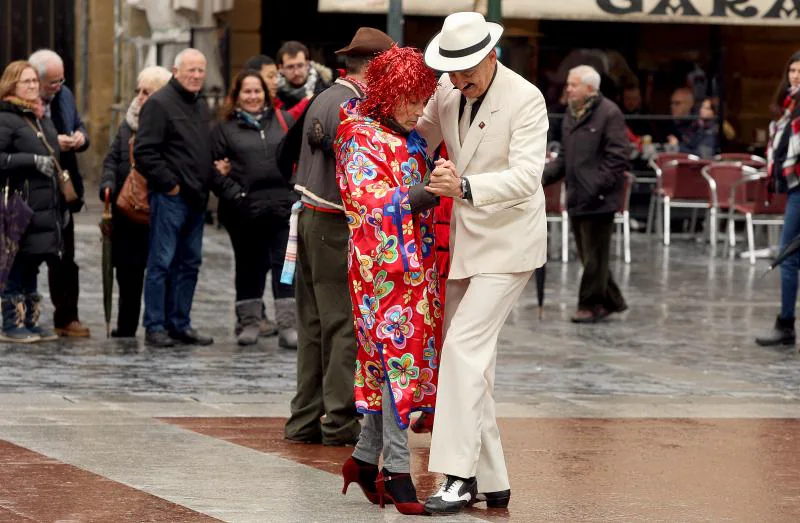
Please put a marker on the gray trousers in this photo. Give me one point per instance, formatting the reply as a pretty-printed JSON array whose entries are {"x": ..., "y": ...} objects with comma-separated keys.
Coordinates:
[{"x": 380, "y": 433}]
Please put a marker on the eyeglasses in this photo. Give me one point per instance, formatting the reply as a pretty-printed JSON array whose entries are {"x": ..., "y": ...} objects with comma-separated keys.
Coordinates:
[
  {"x": 57, "y": 83},
  {"x": 141, "y": 90},
  {"x": 295, "y": 67},
  {"x": 29, "y": 81}
]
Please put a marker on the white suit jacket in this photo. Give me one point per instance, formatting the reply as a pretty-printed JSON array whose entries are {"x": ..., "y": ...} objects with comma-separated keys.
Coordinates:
[{"x": 503, "y": 229}]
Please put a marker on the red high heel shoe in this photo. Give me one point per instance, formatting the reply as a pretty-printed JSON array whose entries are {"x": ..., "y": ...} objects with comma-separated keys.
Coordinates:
[
  {"x": 364, "y": 475},
  {"x": 399, "y": 489}
]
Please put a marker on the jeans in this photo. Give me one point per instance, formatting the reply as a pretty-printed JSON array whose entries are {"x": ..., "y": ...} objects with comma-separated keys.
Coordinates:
[
  {"x": 176, "y": 243},
  {"x": 256, "y": 255},
  {"x": 790, "y": 266}
]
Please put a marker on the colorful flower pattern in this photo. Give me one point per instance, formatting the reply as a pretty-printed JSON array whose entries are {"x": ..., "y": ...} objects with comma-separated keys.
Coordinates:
[{"x": 392, "y": 273}]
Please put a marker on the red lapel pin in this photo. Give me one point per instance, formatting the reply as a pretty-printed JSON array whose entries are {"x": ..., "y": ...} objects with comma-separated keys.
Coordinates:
[{"x": 481, "y": 125}]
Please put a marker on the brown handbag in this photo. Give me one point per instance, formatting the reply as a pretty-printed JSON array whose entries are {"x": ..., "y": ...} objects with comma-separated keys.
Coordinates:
[
  {"x": 132, "y": 199},
  {"x": 62, "y": 176}
]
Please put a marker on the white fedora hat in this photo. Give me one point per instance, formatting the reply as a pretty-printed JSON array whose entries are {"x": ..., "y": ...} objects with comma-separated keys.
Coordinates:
[{"x": 466, "y": 38}]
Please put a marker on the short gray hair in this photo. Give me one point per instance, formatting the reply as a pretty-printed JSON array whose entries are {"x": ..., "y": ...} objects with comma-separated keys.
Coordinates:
[
  {"x": 588, "y": 75},
  {"x": 154, "y": 76},
  {"x": 180, "y": 56},
  {"x": 42, "y": 58}
]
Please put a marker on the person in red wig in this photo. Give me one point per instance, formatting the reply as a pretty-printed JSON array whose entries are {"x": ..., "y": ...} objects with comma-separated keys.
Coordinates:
[{"x": 382, "y": 167}]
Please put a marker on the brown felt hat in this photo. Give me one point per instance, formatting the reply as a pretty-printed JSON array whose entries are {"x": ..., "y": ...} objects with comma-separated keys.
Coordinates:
[{"x": 367, "y": 42}]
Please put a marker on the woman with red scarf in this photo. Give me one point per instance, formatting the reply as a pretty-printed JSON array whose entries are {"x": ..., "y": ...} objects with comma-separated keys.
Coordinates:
[
  {"x": 394, "y": 285},
  {"x": 783, "y": 166}
]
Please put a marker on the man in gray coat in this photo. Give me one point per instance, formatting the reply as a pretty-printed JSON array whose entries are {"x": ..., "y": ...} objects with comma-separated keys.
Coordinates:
[{"x": 326, "y": 351}]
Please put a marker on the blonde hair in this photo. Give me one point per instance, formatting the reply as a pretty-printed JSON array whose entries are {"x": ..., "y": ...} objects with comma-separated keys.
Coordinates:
[
  {"x": 154, "y": 77},
  {"x": 12, "y": 74}
]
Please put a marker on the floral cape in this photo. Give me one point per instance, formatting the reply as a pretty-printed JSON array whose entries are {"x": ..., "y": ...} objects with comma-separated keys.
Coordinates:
[{"x": 394, "y": 284}]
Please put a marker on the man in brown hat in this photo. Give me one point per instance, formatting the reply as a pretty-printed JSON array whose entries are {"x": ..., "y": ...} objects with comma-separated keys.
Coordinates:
[{"x": 326, "y": 351}]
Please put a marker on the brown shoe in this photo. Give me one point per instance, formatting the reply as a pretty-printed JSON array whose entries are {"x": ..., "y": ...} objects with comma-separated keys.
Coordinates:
[
  {"x": 584, "y": 316},
  {"x": 74, "y": 329}
]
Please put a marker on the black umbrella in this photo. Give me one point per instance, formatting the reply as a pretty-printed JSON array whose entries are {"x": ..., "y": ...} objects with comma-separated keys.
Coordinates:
[
  {"x": 539, "y": 275},
  {"x": 791, "y": 248},
  {"x": 107, "y": 264},
  {"x": 15, "y": 215}
]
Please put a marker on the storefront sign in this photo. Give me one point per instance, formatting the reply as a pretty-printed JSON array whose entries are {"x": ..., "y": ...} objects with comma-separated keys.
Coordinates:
[
  {"x": 748, "y": 12},
  {"x": 751, "y": 12},
  {"x": 410, "y": 7}
]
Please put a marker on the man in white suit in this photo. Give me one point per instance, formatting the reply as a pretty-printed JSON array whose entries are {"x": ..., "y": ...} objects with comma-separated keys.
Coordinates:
[{"x": 494, "y": 124}]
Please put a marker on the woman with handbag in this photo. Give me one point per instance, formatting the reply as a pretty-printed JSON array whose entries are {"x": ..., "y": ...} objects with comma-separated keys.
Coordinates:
[
  {"x": 255, "y": 198},
  {"x": 29, "y": 166},
  {"x": 129, "y": 232}
]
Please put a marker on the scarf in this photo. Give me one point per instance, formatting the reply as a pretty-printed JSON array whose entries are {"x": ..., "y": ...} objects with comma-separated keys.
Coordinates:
[
  {"x": 585, "y": 107},
  {"x": 256, "y": 121},
  {"x": 36, "y": 107},
  {"x": 294, "y": 93},
  {"x": 783, "y": 150},
  {"x": 132, "y": 116},
  {"x": 290, "y": 260}
]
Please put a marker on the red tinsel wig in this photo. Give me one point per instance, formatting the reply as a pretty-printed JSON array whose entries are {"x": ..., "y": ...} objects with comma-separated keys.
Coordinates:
[{"x": 393, "y": 77}]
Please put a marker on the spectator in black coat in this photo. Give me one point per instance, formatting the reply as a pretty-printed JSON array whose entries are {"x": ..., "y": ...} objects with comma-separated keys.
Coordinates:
[
  {"x": 60, "y": 106},
  {"x": 255, "y": 196},
  {"x": 593, "y": 158},
  {"x": 27, "y": 167},
  {"x": 173, "y": 153},
  {"x": 129, "y": 239}
]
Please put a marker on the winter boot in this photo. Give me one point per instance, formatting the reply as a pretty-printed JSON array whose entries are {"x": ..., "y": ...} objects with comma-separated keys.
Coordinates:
[
  {"x": 286, "y": 318},
  {"x": 266, "y": 327},
  {"x": 781, "y": 334},
  {"x": 248, "y": 315},
  {"x": 14, "y": 329},
  {"x": 33, "y": 313}
]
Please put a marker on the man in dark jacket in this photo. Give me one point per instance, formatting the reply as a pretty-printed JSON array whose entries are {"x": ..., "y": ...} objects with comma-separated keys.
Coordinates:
[
  {"x": 173, "y": 152},
  {"x": 72, "y": 139},
  {"x": 594, "y": 158},
  {"x": 326, "y": 351}
]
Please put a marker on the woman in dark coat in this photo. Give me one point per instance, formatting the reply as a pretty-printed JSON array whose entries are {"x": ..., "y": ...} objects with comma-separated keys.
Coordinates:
[
  {"x": 129, "y": 240},
  {"x": 255, "y": 204},
  {"x": 27, "y": 166}
]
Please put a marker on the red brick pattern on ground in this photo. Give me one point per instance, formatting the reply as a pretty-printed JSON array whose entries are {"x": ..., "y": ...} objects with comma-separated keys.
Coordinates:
[
  {"x": 602, "y": 469},
  {"x": 34, "y": 487}
]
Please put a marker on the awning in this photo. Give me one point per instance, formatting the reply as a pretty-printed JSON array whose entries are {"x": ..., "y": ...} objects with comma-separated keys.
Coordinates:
[
  {"x": 410, "y": 7},
  {"x": 728, "y": 12}
]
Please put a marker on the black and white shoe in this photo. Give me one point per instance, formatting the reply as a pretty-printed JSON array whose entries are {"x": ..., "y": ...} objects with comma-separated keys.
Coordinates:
[{"x": 454, "y": 494}]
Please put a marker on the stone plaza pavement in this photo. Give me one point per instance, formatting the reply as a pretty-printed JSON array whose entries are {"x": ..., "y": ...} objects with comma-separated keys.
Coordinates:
[{"x": 666, "y": 413}]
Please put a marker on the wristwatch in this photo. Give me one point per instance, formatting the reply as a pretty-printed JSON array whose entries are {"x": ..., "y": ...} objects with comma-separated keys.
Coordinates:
[{"x": 466, "y": 193}]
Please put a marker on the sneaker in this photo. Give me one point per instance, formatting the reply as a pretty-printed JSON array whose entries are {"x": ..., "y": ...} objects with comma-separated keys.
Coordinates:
[{"x": 453, "y": 496}]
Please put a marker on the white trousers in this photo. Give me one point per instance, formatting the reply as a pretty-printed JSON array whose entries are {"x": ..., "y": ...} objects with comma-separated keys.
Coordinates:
[{"x": 466, "y": 440}]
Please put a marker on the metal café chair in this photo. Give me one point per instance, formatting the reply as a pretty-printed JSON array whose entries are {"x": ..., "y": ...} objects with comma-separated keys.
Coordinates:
[
  {"x": 683, "y": 186},
  {"x": 556, "y": 211},
  {"x": 622, "y": 218},
  {"x": 762, "y": 208},
  {"x": 721, "y": 177},
  {"x": 654, "y": 214}
]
